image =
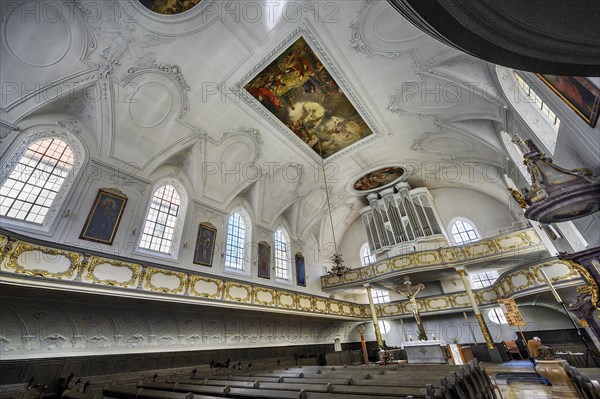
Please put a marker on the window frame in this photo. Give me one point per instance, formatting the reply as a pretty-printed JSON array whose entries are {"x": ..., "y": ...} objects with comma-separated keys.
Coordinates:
[
  {"x": 454, "y": 221},
  {"x": 179, "y": 221},
  {"x": 483, "y": 279},
  {"x": 287, "y": 260},
  {"x": 366, "y": 248},
  {"x": 12, "y": 158},
  {"x": 246, "y": 248},
  {"x": 380, "y": 296}
]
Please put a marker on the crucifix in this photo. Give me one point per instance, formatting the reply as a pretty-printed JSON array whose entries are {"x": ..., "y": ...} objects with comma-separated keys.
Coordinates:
[{"x": 411, "y": 291}]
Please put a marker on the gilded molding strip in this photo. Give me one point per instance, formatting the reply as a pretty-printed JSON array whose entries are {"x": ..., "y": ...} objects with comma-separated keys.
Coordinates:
[
  {"x": 594, "y": 291},
  {"x": 152, "y": 271},
  {"x": 95, "y": 261},
  {"x": 23, "y": 247}
]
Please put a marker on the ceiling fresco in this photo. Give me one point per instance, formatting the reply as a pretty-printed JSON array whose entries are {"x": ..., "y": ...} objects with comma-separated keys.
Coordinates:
[
  {"x": 378, "y": 178},
  {"x": 169, "y": 7},
  {"x": 299, "y": 91}
]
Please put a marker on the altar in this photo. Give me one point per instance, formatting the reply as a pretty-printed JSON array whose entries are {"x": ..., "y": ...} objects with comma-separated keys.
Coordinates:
[{"x": 429, "y": 352}]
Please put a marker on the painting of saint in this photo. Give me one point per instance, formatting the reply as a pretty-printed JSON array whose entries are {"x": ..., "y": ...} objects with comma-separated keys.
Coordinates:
[
  {"x": 378, "y": 178},
  {"x": 579, "y": 94},
  {"x": 205, "y": 244},
  {"x": 103, "y": 220},
  {"x": 300, "y": 270},
  {"x": 299, "y": 91},
  {"x": 169, "y": 7},
  {"x": 264, "y": 254}
]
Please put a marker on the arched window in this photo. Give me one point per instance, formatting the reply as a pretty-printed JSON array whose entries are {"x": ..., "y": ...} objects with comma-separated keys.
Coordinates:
[
  {"x": 29, "y": 191},
  {"x": 384, "y": 326},
  {"x": 162, "y": 217},
  {"x": 282, "y": 258},
  {"x": 239, "y": 233},
  {"x": 463, "y": 232},
  {"x": 365, "y": 255}
]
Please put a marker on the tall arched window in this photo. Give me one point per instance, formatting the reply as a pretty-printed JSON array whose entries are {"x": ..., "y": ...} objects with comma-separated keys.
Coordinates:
[
  {"x": 29, "y": 191},
  {"x": 162, "y": 217},
  {"x": 463, "y": 232},
  {"x": 236, "y": 241},
  {"x": 365, "y": 255},
  {"x": 282, "y": 257}
]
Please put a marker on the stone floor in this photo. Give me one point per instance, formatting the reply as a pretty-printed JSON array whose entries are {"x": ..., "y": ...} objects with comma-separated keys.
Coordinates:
[{"x": 518, "y": 389}]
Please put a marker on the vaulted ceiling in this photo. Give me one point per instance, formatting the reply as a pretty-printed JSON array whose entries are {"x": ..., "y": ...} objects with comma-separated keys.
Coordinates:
[{"x": 146, "y": 91}]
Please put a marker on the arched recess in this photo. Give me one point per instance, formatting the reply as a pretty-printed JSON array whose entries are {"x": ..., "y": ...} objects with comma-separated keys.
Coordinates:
[{"x": 10, "y": 161}]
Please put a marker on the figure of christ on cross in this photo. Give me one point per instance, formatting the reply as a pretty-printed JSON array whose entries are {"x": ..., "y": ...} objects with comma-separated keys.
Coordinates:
[{"x": 411, "y": 291}]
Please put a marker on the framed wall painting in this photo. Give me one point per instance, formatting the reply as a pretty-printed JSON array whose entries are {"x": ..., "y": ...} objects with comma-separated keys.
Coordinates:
[
  {"x": 300, "y": 271},
  {"x": 205, "y": 244},
  {"x": 264, "y": 257},
  {"x": 579, "y": 94},
  {"x": 103, "y": 220}
]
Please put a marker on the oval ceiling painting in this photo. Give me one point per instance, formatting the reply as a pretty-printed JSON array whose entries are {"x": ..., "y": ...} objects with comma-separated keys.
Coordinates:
[
  {"x": 169, "y": 7},
  {"x": 378, "y": 178}
]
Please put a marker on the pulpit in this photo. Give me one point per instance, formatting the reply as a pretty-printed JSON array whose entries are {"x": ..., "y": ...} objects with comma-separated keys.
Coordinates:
[{"x": 426, "y": 352}]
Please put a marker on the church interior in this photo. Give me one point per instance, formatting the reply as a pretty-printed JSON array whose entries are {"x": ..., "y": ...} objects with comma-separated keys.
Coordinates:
[{"x": 276, "y": 191}]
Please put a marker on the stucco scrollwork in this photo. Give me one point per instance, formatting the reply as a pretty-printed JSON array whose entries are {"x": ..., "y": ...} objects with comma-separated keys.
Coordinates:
[{"x": 114, "y": 273}]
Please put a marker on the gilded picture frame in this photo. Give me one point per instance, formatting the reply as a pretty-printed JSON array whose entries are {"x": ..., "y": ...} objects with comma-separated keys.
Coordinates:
[
  {"x": 300, "y": 270},
  {"x": 264, "y": 258},
  {"x": 103, "y": 220},
  {"x": 205, "y": 244}
]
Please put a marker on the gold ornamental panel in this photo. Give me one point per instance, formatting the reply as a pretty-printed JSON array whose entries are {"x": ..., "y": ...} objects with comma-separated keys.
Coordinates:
[
  {"x": 111, "y": 272},
  {"x": 391, "y": 309},
  {"x": 402, "y": 262},
  {"x": 382, "y": 267},
  {"x": 41, "y": 261},
  {"x": 346, "y": 309},
  {"x": 460, "y": 301},
  {"x": 335, "y": 307},
  {"x": 264, "y": 296},
  {"x": 438, "y": 303},
  {"x": 166, "y": 281},
  {"x": 520, "y": 280},
  {"x": 306, "y": 302},
  {"x": 320, "y": 305},
  {"x": 512, "y": 241},
  {"x": 238, "y": 292},
  {"x": 427, "y": 258},
  {"x": 286, "y": 300},
  {"x": 450, "y": 255},
  {"x": 358, "y": 310},
  {"x": 557, "y": 270},
  {"x": 488, "y": 295},
  {"x": 206, "y": 287},
  {"x": 352, "y": 275},
  {"x": 481, "y": 248},
  {"x": 332, "y": 280},
  {"x": 368, "y": 272}
]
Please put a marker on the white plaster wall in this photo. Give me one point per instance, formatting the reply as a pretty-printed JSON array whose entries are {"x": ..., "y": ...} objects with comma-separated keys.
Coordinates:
[
  {"x": 449, "y": 326},
  {"x": 488, "y": 214}
]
